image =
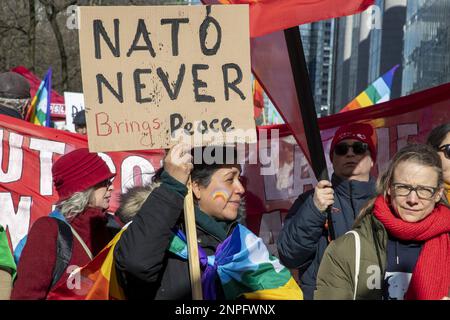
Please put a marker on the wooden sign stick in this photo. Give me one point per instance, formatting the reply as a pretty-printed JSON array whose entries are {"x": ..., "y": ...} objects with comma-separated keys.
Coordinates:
[{"x": 191, "y": 234}]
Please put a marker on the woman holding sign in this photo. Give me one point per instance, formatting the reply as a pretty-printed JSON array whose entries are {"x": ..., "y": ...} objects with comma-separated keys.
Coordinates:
[{"x": 151, "y": 256}]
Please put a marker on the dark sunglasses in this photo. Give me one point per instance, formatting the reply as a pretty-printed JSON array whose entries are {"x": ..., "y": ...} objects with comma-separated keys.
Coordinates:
[
  {"x": 106, "y": 183},
  {"x": 341, "y": 149},
  {"x": 446, "y": 150}
]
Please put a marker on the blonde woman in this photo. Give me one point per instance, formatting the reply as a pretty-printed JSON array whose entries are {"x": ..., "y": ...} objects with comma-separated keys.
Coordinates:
[
  {"x": 55, "y": 247},
  {"x": 399, "y": 247}
]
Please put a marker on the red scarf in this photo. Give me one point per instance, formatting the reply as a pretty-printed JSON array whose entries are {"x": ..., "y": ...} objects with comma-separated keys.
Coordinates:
[{"x": 431, "y": 276}]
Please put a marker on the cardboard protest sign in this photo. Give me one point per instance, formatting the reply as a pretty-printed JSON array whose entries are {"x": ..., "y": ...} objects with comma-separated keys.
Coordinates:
[
  {"x": 74, "y": 103},
  {"x": 153, "y": 75}
]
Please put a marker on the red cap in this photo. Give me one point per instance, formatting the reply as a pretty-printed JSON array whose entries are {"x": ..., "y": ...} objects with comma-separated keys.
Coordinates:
[
  {"x": 358, "y": 131},
  {"x": 78, "y": 171}
]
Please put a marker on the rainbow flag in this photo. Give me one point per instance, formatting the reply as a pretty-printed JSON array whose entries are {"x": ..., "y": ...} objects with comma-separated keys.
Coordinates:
[
  {"x": 95, "y": 281},
  {"x": 39, "y": 111},
  {"x": 379, "y": 91},
  {"x": 244, "y": 267}
]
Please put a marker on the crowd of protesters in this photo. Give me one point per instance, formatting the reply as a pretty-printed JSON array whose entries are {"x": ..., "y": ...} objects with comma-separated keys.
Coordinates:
[{"x": 354, "y": 237}]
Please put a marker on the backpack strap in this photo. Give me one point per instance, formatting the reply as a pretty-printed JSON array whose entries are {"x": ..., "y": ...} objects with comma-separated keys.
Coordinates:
[
  {"x": 357, "y": 260},
  {"x": 64, "y": 244}
]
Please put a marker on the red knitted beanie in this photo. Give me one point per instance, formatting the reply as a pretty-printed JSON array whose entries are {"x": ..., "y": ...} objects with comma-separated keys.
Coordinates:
[
  {"x": 78, "y": 171},
  {"x": 358, "y": 131}
]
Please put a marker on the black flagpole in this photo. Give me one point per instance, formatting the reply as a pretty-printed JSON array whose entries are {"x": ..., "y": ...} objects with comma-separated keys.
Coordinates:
[{"x": 307, "y": 109}]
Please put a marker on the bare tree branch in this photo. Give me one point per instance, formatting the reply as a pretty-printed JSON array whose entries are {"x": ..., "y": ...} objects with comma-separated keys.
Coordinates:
[
  {"x": 17, "y": 28},
  {"x": 32, "y": 34},
  {"x": 51, "y": 13}
]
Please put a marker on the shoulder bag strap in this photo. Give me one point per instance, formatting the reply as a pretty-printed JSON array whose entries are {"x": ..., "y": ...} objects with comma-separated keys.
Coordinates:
[{"x": 357, "y": 260}]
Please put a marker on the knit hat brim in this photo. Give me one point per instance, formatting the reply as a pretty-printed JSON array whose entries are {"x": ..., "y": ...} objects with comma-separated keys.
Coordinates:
[{"x": 78, "y": 171}]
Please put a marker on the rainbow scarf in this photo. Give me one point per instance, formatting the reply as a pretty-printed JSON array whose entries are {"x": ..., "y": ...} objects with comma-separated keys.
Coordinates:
[{"x": 244, "y": 267}]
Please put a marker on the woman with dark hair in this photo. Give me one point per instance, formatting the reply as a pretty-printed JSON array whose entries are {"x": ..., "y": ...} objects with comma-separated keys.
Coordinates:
[
  {"x": 439, "y": 139},
  {"x": 79, "y": 224},
  {"x": 149, "y": 256},
  {"x": 399, "y": 247}
]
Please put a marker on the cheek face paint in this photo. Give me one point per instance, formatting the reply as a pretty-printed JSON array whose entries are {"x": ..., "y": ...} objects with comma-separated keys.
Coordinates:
[{"x": 221, "y": 194}]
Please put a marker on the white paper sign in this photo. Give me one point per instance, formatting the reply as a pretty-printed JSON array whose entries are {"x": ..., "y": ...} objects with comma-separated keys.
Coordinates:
[{"x": 74, "y": 103}]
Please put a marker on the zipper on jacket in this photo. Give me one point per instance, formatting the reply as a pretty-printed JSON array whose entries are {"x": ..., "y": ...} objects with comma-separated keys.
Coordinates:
[
  {"x": 351, "y": 200},
  {"x": 396, "y": 252}
]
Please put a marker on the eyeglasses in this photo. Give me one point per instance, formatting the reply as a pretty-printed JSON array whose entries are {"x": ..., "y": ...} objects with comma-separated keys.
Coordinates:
[
  {"x": 341, "y": 149},
  {"x": 446, "y": 150},
  {"x": 105, "y": 184},
  {"x": 423, "y": 192}
]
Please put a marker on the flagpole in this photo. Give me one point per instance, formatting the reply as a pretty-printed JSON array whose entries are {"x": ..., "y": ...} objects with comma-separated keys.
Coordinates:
[
  {"x": 307, "y": 109},
  {"x": 192, "y": 244}
]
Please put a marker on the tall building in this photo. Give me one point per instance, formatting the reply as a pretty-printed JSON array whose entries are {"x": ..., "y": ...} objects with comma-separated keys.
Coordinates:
[
  {"x": 427, "y": 45},
  {"x": 368, "y": 45},
  {"x": 317, "y": 39}
]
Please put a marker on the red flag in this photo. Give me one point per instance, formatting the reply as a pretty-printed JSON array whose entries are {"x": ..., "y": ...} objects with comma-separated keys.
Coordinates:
[
  {"x": 269, "y": 54},
  {"x": 270, "y": 65},
  {"x": 267, "y": 16}
]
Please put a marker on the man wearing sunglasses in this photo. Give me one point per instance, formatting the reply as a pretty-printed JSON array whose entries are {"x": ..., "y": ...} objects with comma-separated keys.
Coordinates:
[{"x": 305, "y": 235}]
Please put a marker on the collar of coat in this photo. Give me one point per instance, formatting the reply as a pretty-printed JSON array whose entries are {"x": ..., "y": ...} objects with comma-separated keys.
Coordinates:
[
  {"x": 352, "y": 188},
  {"x": 217, "y": 228}
]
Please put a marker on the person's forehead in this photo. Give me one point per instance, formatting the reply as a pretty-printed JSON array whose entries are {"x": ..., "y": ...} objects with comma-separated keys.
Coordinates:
[
  {"x": 349, "y": 141},
  {"x": 446, "y": 139},
  {"x": 411, "y": 171},
  {"x": 230, "y": 169}
]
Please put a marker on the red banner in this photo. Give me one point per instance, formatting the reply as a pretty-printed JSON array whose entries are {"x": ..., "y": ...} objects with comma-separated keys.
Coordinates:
[
  {"x": 27, "y": 153},
  {"x": 281, "y": 173},
  {"x": 398, "y": 122}
]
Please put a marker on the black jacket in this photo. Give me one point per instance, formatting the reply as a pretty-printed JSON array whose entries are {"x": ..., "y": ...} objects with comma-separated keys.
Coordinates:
[
  {"x": 145, "y": 268},
  {"x": 303, "y": 239}
]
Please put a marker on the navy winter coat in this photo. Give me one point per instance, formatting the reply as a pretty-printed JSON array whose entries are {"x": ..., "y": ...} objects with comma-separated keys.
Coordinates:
[{"x": 303, "y": 239}]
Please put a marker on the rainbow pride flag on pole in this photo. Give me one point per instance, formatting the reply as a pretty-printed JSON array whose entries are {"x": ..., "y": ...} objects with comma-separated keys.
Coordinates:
[
  {"x": 39, "y": 111},
  {"x": 95, "y": 281},
  {"x": 379, "y": 91}
]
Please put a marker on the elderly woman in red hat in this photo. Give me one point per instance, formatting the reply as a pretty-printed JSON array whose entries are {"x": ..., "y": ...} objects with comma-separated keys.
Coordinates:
[{"x": 57, "y": 246}]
